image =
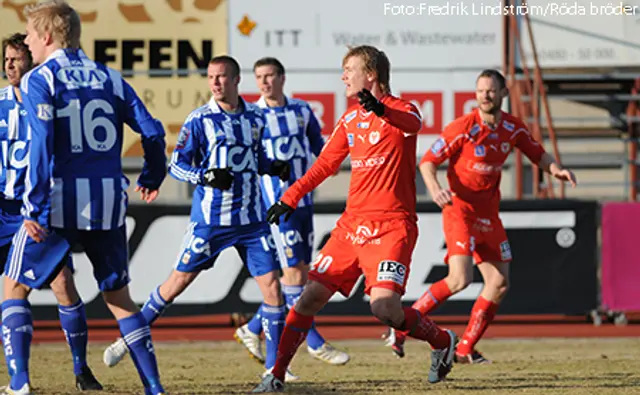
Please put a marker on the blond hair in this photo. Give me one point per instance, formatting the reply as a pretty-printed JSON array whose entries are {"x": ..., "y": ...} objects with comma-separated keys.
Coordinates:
[
  {"x": 57, "y": 18},
  {"x": 375, "y": 61}
]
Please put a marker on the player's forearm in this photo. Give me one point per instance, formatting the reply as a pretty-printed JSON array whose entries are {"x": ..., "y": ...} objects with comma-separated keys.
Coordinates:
[
  {"x": 155, "y": 167},
  {"x": 181, "y": 171},
  {"x": 320, "y": 171},
  {"x": 548, "y": 164},
  {"x": 430, "y": 177},
  {"x": 407, "y": 121}
]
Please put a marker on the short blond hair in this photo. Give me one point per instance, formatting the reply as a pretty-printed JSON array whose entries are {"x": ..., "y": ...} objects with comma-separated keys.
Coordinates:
[
  {"x": 57, "y": 18},
  {"x": 375, "y": 61}
]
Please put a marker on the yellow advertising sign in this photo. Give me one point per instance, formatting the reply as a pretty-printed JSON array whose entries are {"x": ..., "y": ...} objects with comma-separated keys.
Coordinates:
[{"x": 134, "y": 36}]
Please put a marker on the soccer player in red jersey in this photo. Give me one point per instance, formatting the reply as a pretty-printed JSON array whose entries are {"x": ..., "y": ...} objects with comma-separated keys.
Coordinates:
[
  {"x": 377, "y": 233},
  {"x": 477, "y": 145}
]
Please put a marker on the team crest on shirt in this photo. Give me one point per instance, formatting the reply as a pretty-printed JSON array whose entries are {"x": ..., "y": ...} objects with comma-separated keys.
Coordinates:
[
  {"x": 374, "y": 137},
  {"x": 505, "y": 147},
  {"x": 182, "y": 138},
  {"x": 255, "y": 131},
  {"x": 480, "y": 151},
  {"x": 300, "y": 120},
  {"x": 45, "y": 112}
]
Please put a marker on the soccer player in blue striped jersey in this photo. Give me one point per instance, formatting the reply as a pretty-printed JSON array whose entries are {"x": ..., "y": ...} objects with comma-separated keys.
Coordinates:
[
  {"x": 292, "y": 134},
  {"x": 75, "y": 188},
  {"x": 220, "y": 151},
  {"x": 15, "y": 139}
]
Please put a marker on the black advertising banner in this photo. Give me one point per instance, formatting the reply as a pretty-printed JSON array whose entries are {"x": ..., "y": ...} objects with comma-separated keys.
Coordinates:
[{"x": 553, "y": 243}]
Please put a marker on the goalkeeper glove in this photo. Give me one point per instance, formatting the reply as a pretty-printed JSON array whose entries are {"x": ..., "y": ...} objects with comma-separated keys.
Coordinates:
[
  {"x": 277, "y": 210},
  {"x": 370, "y": 103},
  {"x": 281, "y": 169},
  {"x": 218, "y": 178}
]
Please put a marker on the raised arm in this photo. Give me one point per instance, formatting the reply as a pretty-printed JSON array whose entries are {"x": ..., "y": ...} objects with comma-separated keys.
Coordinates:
[{"x": 328, "y": 162}]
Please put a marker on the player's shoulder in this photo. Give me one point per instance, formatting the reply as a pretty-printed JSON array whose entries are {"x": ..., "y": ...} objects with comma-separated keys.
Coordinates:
[
  {"x": 463, "y": 124},
  {"x": 6, "y": 96},
  {"x": 253, "y": 109},
  {"x": 297, "y": 103},
  {"x": 33, "y": 74},
  {"x": 396, "y": 102},
  {"x": 198, "y": 114},
  {"x": 512, "y": 123}
]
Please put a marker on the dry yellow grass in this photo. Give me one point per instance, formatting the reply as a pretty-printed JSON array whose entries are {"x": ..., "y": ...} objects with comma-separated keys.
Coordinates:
[{"x": 558, "y": 366}]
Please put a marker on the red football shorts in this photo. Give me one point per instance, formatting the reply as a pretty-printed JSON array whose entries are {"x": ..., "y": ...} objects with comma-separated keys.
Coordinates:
[
  {"x": 381, "y": 250},
  {"x": 480, "y": 236}
]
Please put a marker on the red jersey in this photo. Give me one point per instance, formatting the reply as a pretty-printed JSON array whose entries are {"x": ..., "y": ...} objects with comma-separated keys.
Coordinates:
[
  {"x": 383, "y": 161},
  {"x": 476, "y": 155}
]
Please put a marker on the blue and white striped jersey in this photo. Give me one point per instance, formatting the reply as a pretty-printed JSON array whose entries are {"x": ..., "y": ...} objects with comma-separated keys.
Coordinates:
[
  {"x": 292, "y": 134},
  {"x": 212, "y": 138},
  {"x": 76, "y": 110},
  {"x": 15, "y": 138}
]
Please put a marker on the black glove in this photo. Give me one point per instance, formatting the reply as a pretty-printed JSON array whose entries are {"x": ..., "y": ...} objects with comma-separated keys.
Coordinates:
[
  {"x": 281, "y": 169},
  {"x": 218, "y": 178},
  {"x": 370, "y": 103},
  {"x": 277, "y": 210}
]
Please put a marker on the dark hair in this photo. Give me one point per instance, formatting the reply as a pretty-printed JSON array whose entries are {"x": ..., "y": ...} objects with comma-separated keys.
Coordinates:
[
  {"x": 228, "y": 61},
  {"x": 16, "y": 41},
  {"x": 268, "y": 61},
  {"x": 490, "y": 73}
]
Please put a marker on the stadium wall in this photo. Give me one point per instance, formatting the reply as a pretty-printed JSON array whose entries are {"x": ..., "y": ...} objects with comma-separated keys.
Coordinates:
[{"x": 554, "y": 245}]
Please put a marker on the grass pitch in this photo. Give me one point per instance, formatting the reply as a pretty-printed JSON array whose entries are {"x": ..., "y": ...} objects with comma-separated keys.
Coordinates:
[{"x": 548, "y": 366}]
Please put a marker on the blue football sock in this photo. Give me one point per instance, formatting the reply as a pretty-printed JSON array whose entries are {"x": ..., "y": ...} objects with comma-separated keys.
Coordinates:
[
  {"x": 17, "y": 332},
  {"x": 273, "y": 325},
  {"x": 137, "y": 335},
  {"x": 74, "y": 324},
  {"x": 154, "y": 307},
  {"x": 291, "y": 295},
  {"x": 255, "y": 323}
]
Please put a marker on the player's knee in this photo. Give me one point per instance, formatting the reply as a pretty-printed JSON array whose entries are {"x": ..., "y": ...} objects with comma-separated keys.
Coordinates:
[
  {"x": 386, "y": 312},
  {"x": 500, "y": 287},
  {"x": 64, "y": 288},
  {"x": 15, "y": 290},
  {"x": 458, "y": 282}
]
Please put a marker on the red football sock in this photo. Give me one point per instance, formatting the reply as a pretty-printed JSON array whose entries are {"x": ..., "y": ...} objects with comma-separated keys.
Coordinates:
[
  {"x": 295, "y": 331},
  {"x": 482, "y": 314},
  {"x": 423, "y": 328},
  {"x": 435, "y": 295}
]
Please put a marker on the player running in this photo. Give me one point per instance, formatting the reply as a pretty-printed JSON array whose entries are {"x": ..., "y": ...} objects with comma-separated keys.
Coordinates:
[
  {"x": 15, "y": 137},
  {"x": 377, "y": 233},
  {"x": 223, "y": 140},
  {"x": 292, "y": 134},
  {"x": 477, "y": 145},
  {"x": 75, "y": 189}
]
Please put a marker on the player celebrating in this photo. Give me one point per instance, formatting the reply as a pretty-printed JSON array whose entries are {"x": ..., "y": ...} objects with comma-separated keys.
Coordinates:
[
  {"x": 292, "y": 134},
  {"x": 15, "y": 133},
  {"x": 223, "y": 139},
  {"x": 477, "y": 145},
  {"x": 377, "y": 233},
  {"x": 75, "y": 189}
]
